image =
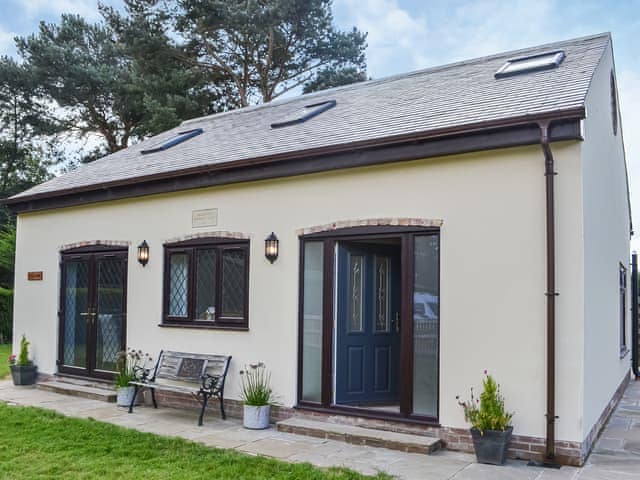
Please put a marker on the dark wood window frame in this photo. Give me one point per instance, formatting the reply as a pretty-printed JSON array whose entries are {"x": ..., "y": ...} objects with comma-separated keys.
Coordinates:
[
  {"x": 622, "y": 299},
  {"x": 190, "y": 248},
  {"x": 407, "y": 236}
]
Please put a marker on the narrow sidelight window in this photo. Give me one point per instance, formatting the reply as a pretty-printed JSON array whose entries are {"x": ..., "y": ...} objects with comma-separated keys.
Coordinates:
[
  {"x": 622, "y": 281},
  {"x": 207, "y": 282},
  {"x": 312, "y": 312}
]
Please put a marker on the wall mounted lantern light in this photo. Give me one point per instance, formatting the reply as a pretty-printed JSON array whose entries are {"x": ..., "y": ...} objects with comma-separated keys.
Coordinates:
[
  {"x": 143, "y": 253},
  {"x": 271, "y": 247}
]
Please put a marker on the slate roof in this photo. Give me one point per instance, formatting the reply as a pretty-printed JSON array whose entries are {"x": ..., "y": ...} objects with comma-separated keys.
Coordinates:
[{"x": 447, "y": 98}]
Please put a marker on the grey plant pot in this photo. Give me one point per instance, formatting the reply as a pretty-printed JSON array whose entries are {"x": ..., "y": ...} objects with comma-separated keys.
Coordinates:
[
  {"x": 256, "y": 418},
  {"x": 491, "y": 445},
  {"x": 23, "y": 374},
  {"x": 125, "y": 395}
]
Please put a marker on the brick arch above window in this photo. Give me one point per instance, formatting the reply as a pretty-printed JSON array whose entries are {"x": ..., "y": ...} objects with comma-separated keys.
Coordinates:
[
  {"x": 95, "y": 243},
  {"x": 372, "y": 222},
  {"x": 220, "y": 234}
]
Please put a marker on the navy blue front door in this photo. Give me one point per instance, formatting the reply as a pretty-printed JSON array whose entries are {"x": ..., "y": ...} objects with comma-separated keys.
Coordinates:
[{"x": 368, "y": 329}]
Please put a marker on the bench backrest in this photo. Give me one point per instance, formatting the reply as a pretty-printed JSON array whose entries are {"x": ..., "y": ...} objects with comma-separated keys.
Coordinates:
[{"x": 190, "y": 367}]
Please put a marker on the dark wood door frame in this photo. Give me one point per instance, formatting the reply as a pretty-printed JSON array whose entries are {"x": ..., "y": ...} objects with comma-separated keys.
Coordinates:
[
  {"x": 329, "y": 239},
  {"x": 90, "y": 254}
]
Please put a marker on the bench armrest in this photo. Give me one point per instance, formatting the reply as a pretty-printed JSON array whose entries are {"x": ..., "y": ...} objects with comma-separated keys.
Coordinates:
[
  {"x": 142, "y": 374},
  {"x": 210, "y": 382}
]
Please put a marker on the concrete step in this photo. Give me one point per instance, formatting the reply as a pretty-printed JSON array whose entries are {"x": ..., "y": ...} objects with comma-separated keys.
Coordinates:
[
  {"x": 403, "y": 442},
  {"x": 93, "y": 392}
]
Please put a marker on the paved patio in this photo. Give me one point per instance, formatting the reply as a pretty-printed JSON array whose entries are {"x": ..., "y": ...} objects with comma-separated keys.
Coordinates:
[{"x": 616, "y": 455}]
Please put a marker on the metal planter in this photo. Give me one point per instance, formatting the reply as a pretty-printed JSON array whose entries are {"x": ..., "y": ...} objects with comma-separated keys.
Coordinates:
[
  {"x": 491, "y": 445},
  {"x": 256, "y": 418},
  {"x": 23, "y": 374}
]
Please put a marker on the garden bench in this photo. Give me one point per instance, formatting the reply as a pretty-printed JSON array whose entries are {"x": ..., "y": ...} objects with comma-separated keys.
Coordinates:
[{"x": 201, "y": 375}]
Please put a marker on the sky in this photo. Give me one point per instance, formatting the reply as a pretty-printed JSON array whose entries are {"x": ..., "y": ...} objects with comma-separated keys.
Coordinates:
[{"x": 406, "y": 35}]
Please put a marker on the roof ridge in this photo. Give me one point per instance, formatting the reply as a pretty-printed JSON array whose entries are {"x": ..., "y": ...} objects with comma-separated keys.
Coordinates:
[{"x": 399, "y": 76}]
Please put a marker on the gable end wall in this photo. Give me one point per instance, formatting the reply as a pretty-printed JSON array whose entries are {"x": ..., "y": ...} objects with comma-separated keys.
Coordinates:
[{"x": 606, "y": 245}]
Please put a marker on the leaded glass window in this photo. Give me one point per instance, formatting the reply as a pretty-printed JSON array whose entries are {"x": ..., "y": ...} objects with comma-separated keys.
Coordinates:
[
  {"x": 207, "y": 282},
  {"x": 233, "y": 286},
  {"x": 178, "y": 285}
]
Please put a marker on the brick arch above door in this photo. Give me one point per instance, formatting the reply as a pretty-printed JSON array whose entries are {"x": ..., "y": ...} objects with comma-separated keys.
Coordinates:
[
  {"x": 372, "y": 222},
  {"x": 93, "y": 243}
]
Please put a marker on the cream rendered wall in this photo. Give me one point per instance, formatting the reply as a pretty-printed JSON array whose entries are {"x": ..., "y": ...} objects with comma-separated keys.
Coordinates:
[
  {"x": 492, "y": 269},
  {"x": 606, "y": 245}
]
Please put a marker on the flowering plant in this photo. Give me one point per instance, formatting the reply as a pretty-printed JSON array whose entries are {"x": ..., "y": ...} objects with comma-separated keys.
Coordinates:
[
  {"x": 133, "y": 365},
  {"x": 12, "y": 359},
  {"x": 255, "y": 389},
  {"x": 486, "y": 412}
]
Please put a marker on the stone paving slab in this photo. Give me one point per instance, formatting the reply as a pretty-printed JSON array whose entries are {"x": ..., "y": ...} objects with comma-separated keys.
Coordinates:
[{"x": 616, "y": 455}]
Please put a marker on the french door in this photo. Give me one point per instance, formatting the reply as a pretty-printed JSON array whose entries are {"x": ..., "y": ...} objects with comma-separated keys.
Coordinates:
[{"x": 92, "y": 311}]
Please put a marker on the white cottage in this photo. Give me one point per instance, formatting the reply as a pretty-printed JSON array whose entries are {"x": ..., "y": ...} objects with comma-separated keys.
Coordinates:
[{"x": 429, "y": 226}]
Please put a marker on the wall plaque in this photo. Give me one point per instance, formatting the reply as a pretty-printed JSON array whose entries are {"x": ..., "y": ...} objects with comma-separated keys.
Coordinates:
[
  {"x": 204, "y": 218},
  {"x": 34, "y": 276}
]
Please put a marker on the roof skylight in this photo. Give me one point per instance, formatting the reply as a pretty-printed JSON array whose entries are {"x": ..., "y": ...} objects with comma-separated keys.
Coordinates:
[
  {"x": 179, "y": 138},
  {"x": 304, "y": 114},
  {"x": 531, "y": 64}
]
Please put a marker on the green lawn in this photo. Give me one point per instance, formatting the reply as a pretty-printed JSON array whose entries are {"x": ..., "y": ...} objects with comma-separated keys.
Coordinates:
[
  {"x": 38, "y": 443},
  {"x": 5, "y": 351}
]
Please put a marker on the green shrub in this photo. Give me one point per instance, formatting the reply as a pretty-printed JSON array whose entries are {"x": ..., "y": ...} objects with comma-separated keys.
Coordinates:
[
  {"x": 23, "y": 356},
  {"x": 487, "y": 412}
]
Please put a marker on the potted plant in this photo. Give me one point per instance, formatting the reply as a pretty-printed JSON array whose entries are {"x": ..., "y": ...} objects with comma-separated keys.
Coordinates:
[
  {"x": 491, "y": 427},
  {"x": 132, "y": 365},
  {"x": 23, "y": 371},
  {"x": 257, "y": 396}
]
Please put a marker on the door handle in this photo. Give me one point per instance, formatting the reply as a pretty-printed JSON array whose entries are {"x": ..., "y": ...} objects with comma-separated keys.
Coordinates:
[
  {"x": 397, "y": 322},
  {"x": 91, "y": 316}
]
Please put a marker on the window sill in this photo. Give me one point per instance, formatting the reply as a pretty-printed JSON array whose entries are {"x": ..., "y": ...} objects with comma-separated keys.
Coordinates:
[
  {"x": 206, "y": 326},
  {"x": 624, "y": 352}
]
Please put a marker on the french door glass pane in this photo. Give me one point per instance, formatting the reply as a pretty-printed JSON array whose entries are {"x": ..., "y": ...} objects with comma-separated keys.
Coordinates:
[
  {"x": 233, "y": 283},
  {"x": 426, "y": 323},
  {"x": 178, "y": 284},
  {"x": 110, "y": 288},
  {"x": 76, "y": 299},
  {"x": 206, "y": 284},
  {"x": 312, "y": 322}
]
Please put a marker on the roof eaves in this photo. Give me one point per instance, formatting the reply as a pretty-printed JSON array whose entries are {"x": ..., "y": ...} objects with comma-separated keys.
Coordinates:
[{"x": 573, "y": 113}]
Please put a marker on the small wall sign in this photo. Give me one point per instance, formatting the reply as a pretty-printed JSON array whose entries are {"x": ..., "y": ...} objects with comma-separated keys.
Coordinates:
[
  {"x": 204, "y": 218},
  {"x": 34, "y": 276}
]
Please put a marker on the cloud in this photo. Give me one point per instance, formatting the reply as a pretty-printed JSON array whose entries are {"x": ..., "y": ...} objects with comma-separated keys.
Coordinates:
[
  {"x": 7, "y": 44},
  {"x": 395, "y": 37},
  {"x": 45, "y": 8}
]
